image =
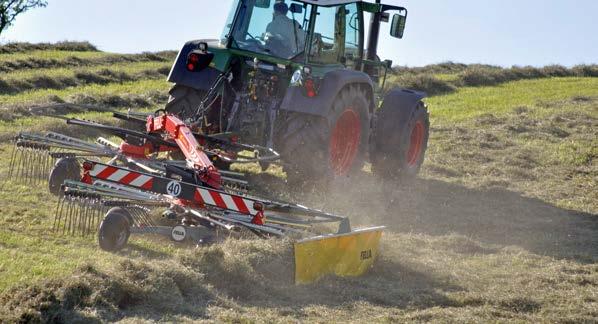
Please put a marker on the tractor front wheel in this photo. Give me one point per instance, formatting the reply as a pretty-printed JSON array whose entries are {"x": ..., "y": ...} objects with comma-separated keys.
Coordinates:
[{"x": 399, "y": 148}]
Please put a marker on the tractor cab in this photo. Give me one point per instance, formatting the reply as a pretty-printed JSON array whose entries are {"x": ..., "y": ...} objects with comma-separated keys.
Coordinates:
[{"x": 323, "y": 34}]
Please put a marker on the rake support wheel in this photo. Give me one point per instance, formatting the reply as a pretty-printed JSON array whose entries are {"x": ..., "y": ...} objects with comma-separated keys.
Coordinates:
[
  {"x": 114, "y": 230},
  {"x": 64, "y": 169}
]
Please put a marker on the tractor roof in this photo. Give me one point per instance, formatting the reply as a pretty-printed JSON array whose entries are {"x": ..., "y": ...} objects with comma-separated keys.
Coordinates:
[{"x": 329, "y": 2}]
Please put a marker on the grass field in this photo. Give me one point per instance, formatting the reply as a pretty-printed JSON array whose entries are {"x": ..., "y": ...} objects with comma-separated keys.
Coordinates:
[{"x": 501, "y": 225}]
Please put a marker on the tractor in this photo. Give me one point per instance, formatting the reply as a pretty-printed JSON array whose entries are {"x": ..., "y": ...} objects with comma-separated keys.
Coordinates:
[{"x": 300, "y": 77}]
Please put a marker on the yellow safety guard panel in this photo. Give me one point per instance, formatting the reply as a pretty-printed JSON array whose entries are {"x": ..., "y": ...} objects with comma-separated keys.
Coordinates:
[{"x": 344, "y": 255}]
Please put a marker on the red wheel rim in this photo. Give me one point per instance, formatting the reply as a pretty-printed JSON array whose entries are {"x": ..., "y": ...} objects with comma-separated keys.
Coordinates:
[
  {"x": 344, "y": 143},
  {"x": 415, "y": 144}
]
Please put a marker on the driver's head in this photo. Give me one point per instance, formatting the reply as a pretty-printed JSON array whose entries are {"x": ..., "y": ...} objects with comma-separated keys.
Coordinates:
[{"x": 281, "y": 8}]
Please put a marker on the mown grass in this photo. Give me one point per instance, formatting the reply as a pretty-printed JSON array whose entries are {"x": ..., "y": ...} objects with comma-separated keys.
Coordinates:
[
  {"x": 62, "y": 78},
  {"x": 129, "y": 67},
  {"x": 62, "y": 46},
  {"x": 94, "y": 90},
  {"x": 500, "y": 227},
  {"x": 58, "y": 59},
  {"x": 543, "y": 150},
  {"x": 447, "y": 77},
  {"x": 51, "y": 55}
]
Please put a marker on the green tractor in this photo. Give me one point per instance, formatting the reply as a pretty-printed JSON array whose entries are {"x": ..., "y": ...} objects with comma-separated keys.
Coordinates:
[{"x": 300, "y": 77}]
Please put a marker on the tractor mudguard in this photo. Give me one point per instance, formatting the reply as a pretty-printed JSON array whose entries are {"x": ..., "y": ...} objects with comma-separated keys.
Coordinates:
[
  {"x": 332, "y": 83},
  {"x": 179, "y": 74},
  {"x": 405, "y": 101}
]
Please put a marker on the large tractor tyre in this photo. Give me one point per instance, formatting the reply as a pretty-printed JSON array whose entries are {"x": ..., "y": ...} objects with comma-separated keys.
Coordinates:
[
  {"x": 398, "y": 149},
  {"x": 316, "y": 149},
  {"x": 64, "y": 169},
  {"x": 114, "y": 230},
  {"x": 184, "y": 101}
]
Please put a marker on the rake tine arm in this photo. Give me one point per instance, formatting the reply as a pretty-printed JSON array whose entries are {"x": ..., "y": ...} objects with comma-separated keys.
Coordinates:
[{"x": 122, "y": 133}]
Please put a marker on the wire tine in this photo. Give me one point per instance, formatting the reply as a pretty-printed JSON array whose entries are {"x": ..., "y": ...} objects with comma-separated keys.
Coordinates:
[
  {"x": 19, "y": 162},
  {"x": 77, "y": 216},
  {"x": 30, "y": 165},
  {"x": 12, "y": 161},
  {"x": 40, "y": 164},
  {"x": 35, "y": 168},
  {"x": 34, "y": 165},
  {"x": 58, "y": 214},
  {"x": 47, "y": 164},
  {"x": 134, "y": 215},
  {"x": 85, "y": 230},
  {"x": 67, "y": 219},
  {"x": 94, "y": 216},
  {"x": 26, "y": 162},
  {"x": 137, "y": 217},
  {"x": 81, "y": 227},
  {"x": 146, "y": 215},
  {"x": 97, "y": 215},
  {"x": 62, "y": 213},
  {"x": 142, "y": 218},
  {"x": 24, "y": 156},
  {"x": 91, "y": 215}
]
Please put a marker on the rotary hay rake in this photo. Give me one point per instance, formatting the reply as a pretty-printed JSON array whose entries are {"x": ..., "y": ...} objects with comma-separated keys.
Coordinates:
[{"x": 117, "y": 190}]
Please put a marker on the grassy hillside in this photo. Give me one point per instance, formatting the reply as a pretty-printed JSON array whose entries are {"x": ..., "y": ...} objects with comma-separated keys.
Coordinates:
[{"x": 501, "y": 225}]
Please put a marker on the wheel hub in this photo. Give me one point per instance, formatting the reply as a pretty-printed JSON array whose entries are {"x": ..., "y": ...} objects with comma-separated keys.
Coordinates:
[
  {"x": 344, "y": 142},
  {"x": 415, "y": 144}
]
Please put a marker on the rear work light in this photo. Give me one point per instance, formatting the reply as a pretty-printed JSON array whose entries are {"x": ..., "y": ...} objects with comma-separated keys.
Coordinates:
[
  {"x": 192, "y": 61},
  {"x": 310, "y": 88},
  {"x": 199, "y": 59}
]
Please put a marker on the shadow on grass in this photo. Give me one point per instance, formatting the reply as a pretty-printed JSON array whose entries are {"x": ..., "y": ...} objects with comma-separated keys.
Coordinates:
[{"x": 494, "y": 216}]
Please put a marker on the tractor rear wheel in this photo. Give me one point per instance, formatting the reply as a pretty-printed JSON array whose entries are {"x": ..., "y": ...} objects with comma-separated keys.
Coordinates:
[
  {"x": 114, "y": 230},
  {"x": 398, "y": 149},
  {"x": 184, "y": 101},
  {"x": 317, "y": 149}
]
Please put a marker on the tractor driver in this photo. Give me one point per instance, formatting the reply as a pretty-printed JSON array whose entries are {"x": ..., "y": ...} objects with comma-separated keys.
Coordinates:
[{"x": 284, "y": 35}]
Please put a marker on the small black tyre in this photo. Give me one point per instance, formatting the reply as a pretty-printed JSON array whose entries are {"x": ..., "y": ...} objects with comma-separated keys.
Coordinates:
[
  {"x": 398, "y": 149},
  {"x": 64, "y": 169},
  {"x": 315, "y": 148},
  {"x": 114, "y": 230}
]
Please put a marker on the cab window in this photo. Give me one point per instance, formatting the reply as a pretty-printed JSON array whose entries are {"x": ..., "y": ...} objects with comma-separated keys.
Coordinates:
[
  {"x": 328, "y": 38},
  {"x": 336, "y": 35}
]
